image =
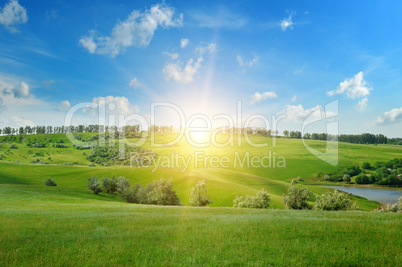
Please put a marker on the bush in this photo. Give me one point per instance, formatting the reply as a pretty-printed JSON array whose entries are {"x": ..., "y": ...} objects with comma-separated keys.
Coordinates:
[
  {"x": 400, "y": 204},
  {"x": 362, "y": 179},
  {"x": 12, "y": 146},
  {"x": 199, "y": 195},
  {"x": 109, "y": 185},
  {"x": 346, "y": 178},
  {"x": 353, "y": 171},
  {"x": 122, "y": 185},
  {"x": 296, "y": 198},
  {"x": 366, "y": 165},
  {"x": 389, "y": 208},
  {"x": 50, "y": 182},
  {"x": 136, "y": 195},
  {"x": 334, "y": 200},
  {"x": 327, "y": 177},
  {"x": 93, "y": 184},
  {"x": 161, "y": 193},
  {"x": 92, "y": 164},
  {"x": 259, "y": 201}
]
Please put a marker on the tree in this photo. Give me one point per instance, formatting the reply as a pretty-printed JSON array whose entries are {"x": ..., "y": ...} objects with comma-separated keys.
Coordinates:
[
  {"x": 334, "y": 200},
  {"x": 286, "y": 133},
  {"x": 346, "y": 178},
  {"x": 93, "y": 184},
  {"x": 366, "y": 165},
  {"x": 109, "y": 185},
  {"x": 199, "y": 195},
  {"x": 259, "y": 201},
  {"x": 296, "y": 198},
  {"x": 160, "y": 192},
  {"x": 122, "y": 185}
]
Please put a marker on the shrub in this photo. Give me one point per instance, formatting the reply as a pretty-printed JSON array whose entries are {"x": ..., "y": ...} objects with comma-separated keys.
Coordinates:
[
  {"x": 92, "y": 164},
  {"x": 334, "y": 200},
  {"x": 12, "y": 146},
  {"x": 199, "y": 195},
  {"x": 400, "y": 204},
  {"x": 259, "y": 201},
  {"x": 389, "y": 208},
  {"x": 327, "y": 177},
  {"x": 161, "y": 193},
  {"x": 122, "y": 185},
  {"x": 362, "y": 179},
  {"x": 93, "y": 184},
  {"x": 366, "y": 165},
  {"x": 353, "y": 170},
  {"x": 109, "y": 185},
  {"x": 346, "y": 178},
  {"x": 296, "y": 198},
  {"x": 50, "y": 182},
  {"x": 136, "y": 195}
]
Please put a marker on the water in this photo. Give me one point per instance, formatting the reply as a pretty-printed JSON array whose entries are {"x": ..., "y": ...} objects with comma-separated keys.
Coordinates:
[{"x": 382, "y": 195}]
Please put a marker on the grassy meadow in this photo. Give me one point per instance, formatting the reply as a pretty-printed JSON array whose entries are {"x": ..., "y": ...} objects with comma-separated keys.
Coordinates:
[{"x": 69, "y": 225}]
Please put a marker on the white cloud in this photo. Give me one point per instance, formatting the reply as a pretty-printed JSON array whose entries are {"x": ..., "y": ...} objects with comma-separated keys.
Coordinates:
[
  {"x": 21, "y": 91},
  {"x": 294, "y": 98},
  {"x": 390, "y": 117},
  {"x": 13, "y": 13},
  {"x": 223, "y": 18},
  {"x": 18, "y": 122},
  {"x": 362, "y": 105},
  {"x": 243, "y": 63},
  {"x": 257, "y": 97},
  {"x": 182, "y": 75},
  {"x": 355, "y": 87},
  {"x": 287, "y": 23},
  {"x": 183, "y": 43},
  {"x": 64, "y": 105},
  {"x": 172, "y": 56},
  {"x": 117, "y": 105},
  {"x": 134, "y": 83},
  {"x": 137, "y": 30},
  {"x": 2, "y": 107},
  {"x": 206, "y": 47},
  {"x": 296, "y": 113}
]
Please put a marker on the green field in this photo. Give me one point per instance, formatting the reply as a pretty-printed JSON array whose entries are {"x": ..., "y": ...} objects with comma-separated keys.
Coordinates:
[{"x": 68, "y": 225}]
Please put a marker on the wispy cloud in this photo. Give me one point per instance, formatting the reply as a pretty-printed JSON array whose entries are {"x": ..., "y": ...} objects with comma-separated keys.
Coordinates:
[
  {"x": 64, "y": 105},
  {"x": 287, "y": 23},
  {"x": 244, "y": 63},
  {"x": 222, "y": 18},
  {"x": 137, "y": 30},
  {"x": 183, "y": 43},
  {"x": 134, "y": 83}
]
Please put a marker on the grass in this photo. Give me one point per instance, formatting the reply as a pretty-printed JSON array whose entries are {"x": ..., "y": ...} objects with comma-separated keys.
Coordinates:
[
  {"x": 68, "y": 225},
  {"x": 38, "y": 229}
]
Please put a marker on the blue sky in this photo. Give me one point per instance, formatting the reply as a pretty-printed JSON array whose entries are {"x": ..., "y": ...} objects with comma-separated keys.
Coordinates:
[{"x": 277, "y": 57}]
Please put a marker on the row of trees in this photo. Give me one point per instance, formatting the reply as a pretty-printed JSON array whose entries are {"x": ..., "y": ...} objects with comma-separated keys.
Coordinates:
[{"x": 365, "y": 138}]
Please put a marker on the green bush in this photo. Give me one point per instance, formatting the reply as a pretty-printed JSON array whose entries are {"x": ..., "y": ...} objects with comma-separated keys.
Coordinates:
[
  {"x": 160, "y": 192},
  {"x": 50, "y": 182},
  {"x": 199, "y": 195},
  {"x": 137, "y": 195},
  {"x": 122, "y": 185},
  {"x": 400, "y": 204},
  {"x": 346, "y": 178},
  {"x": 296, "y": 198},
  {"x": 12, "y": 146},
  {"x": 366, "y": 165},
  {"x": 259, "y": 201},
  {"x": 389, "y": 208},
  {"x": 362, "y": 179},
  {"x": 334, "y": 200},
  {"x": 109, "y": 185},
  {"x": 93, "y": 184}
]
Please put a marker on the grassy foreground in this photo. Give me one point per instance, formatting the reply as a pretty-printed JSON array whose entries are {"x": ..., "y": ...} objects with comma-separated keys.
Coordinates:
[{"x": 36, "y": 230}]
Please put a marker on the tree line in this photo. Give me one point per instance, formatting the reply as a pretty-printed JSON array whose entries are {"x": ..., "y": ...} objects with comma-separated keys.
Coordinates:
[{"x": 365, "y": 138}]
